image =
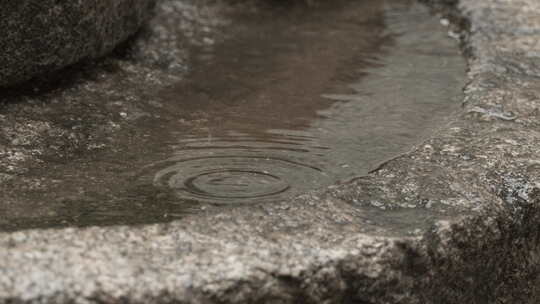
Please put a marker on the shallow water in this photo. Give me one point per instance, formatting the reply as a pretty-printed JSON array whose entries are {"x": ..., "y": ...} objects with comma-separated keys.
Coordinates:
[
  {"x": 294, "y": 100},
  {"x": 293, "y": 104}
]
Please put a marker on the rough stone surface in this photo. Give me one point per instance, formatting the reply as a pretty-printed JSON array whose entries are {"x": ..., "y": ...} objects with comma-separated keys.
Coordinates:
[
  {"x": 40, "y": 36},
  {"x": 454, "y": 221}
]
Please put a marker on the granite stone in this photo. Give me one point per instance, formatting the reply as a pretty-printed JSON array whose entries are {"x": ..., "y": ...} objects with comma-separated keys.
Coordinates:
[
  {"x": 41, "y": 36},
  {"x": 456, "y": 220}
]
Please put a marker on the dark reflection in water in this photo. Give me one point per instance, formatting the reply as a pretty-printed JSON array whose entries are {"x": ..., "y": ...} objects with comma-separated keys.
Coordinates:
[
  {"x": 296, "y": 99},
  {"x": 294, "y": 103}
]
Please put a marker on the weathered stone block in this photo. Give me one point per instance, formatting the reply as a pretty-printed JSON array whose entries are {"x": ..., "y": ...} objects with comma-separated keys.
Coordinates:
[{"x": 39, "y": 36}]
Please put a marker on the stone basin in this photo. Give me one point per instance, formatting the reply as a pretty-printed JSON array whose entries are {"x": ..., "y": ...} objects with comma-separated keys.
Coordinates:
[
  {"x": 380, "y": 238},
  {"x": 38, "y": 37}
]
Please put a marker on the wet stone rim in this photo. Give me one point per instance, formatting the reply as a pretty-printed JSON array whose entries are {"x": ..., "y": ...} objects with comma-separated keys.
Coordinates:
[
  {"x": 307, "y": 251},
  {"x": 41, "y": 36}
]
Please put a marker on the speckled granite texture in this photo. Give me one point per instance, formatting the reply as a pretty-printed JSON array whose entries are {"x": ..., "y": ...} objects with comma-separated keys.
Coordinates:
[
  {"x": 40, "y": 36},
  {"x": 457, "y": 220}
]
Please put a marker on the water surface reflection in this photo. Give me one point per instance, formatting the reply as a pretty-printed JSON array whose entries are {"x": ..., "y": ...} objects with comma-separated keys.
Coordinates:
[
  {"x": 297, "y": 98},
  {"x": 302, "y": 99}
]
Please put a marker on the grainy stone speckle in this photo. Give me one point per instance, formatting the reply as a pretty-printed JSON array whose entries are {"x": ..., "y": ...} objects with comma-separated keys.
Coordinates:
[
  {"x": 454, "y": 221},
  {"x": 40, "y": 36}
]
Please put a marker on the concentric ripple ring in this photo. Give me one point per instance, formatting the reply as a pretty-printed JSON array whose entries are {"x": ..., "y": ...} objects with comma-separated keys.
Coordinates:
[
  {"x": 231, "y": 181},
  {"x": 224, "y": 179}
]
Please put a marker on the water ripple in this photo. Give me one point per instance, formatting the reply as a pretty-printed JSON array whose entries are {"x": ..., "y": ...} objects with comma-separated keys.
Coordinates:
[{"x": 222, "y": 174}]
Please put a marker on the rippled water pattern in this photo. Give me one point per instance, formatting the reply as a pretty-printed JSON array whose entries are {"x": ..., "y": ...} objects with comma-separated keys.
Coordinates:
[
  {"x": 240, "y": 168},
  {"x": 291, "y": 105},
  {"x": 293, "y": 99}
]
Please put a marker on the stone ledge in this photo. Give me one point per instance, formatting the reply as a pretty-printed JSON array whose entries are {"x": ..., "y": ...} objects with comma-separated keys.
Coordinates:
[
  {"x": 454, "y": 221},
  {"x": 40, "y": 36}
]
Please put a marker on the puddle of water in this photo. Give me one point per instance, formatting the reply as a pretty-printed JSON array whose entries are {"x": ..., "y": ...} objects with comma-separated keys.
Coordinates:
[
  {"x": 293, "y": 104},
  {"x": 295, "y": 100}
]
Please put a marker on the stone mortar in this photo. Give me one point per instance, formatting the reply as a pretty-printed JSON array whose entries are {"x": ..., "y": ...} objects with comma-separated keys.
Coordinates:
[
  {"x": 473, "y": 190},
  {"x": 41, "y": 36}
]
